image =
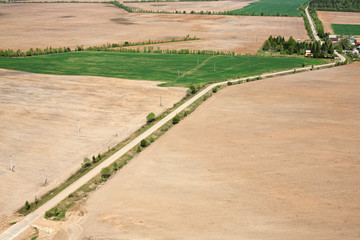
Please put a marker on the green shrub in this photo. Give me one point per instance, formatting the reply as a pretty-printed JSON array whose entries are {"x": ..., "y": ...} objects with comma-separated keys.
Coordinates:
[
  {"x": 176, "y": 119},
  {"x": 150, "y": 117},
  {"x": 86, "y": 162},
  {"x": 214, "y": 90},
  {"x": 186, "y": 113},
  {"x": 229, "y": 83},
  {"x": 144, "y": 143},
  {"x": 152, "y": 139},
  {"x": 115, "y": 166},
  {"x": 106, "y": 172},
  {"x": 27, "y": 205},
  {"x": 138, "y": 149},
  {"x": 193, "y": 89}
]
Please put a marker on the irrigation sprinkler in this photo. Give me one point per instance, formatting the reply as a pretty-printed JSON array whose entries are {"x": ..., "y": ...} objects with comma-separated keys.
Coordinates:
[{"x": 43, "y": 175}]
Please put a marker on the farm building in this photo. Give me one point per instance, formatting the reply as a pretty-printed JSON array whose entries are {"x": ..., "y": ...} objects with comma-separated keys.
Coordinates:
[{"x": 333, "y": 38}]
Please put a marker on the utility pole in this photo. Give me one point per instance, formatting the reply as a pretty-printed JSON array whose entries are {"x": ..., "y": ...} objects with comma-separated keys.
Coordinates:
[
  {"x": 160, "y": 101},
  {"x": 11, "y": 164},
  {"x": 178, "y": 72},
  {"x": 43, "y": 175},
  {"x": 198, "y": 61},
  {"x": 214, "y": 66},
  {"x": 78, "y": 125},
  {"x": 123, "y": 101}
]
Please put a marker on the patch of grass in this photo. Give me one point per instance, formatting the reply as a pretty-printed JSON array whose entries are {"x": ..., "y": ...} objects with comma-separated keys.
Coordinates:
[
  {"x": 176, "y": 70},
  {"x": 273, "y": 7},
  {"x": 348, "y": 29}
]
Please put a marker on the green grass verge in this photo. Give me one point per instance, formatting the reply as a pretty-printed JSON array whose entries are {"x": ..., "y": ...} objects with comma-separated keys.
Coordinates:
[
  {"x": 156, "y": 67},
  {"x": 273, "y": 7},
  {"x": 346, "y": 29}
]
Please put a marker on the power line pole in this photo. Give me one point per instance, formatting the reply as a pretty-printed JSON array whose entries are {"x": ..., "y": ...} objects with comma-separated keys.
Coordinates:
[
  {"x": 43, "y": 175},
  {"x": 11, "y": 163},
  {"x": 123, "y": 101},
  {"x": 214, "y": 66},
  {"x": 160, "y": 101},
  {"x": 198, "y": 61},
  {"x": 78, "y": 125},
  {"x": 178, "y": 72}
]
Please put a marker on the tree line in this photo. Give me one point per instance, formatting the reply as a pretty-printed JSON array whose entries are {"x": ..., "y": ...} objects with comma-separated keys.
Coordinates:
[
  {"x": 279, "y": 44},
  {"x": 336, "y": 5}
]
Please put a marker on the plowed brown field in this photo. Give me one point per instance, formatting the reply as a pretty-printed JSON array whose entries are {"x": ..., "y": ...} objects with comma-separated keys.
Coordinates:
[
  {"x": 272, "y": 159},
  {"x": 31, "y": 25},
  {"x": 329, "y": 18},
  {"x": 38, "y": 119}
]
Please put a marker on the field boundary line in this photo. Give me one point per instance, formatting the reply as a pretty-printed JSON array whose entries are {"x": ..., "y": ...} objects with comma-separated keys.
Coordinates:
[
  {"x": 20, "y": 226},
  {"x": 194, "y": 69}
]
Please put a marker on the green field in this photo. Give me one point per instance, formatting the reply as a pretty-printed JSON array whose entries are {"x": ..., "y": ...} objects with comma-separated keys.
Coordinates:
[
  {"x": 273, "y": 7},
  {"x": 346, "y": 29},
  {"x": 159, "y": 67}
]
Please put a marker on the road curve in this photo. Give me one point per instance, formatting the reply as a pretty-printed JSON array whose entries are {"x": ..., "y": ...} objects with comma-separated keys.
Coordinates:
[{"x": 19, "y": 227}]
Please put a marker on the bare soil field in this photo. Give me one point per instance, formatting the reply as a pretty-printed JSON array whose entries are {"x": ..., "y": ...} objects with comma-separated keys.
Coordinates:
[
  {"x": 38, "y": 118},
  {"x": 328, "y": 18},
  {"x": 30, "y": 25},
  {"x": 198, "y": 6},
  {"x": 271, "y": 159}
]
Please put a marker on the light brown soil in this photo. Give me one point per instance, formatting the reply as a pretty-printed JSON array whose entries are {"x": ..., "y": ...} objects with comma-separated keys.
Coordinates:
[
  {"x": 212, "y": 6},
  {"x": 39, "y": 113},
  {"x": 329, "y": 18},
  {"x": 70, "y": 24},
  {"x": 271, "y": 159}
]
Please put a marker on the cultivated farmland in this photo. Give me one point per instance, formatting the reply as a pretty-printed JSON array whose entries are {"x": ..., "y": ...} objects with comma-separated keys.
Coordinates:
[
  {"x": 188, "y": 6},
  {"x": 38, "y": 25},
  {"x": 262, "y": 160},
  {"x": 178, "y": 69},
  {"x": 39, "y": 113},
  {"x": 346, "y": 29},
  {"x": 273, "y": 7},
  {"x": 329, "y": 18}
]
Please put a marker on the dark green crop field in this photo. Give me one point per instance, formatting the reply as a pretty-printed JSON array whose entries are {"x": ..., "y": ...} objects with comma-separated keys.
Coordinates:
[
  {"x": 346, "y": 29},
  {"x": 273, "y": 7},
  {"x": 159, "y": 67}
]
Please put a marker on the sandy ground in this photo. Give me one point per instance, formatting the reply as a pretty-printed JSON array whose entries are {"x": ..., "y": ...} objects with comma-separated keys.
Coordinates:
[
  {"x": 272, "y": 159},
  {"x": 329, "y": 18},
  {"x": 212, "y": 6},
  {"x": 70, "y": 24},
  {"x": 38, "y": 119}
]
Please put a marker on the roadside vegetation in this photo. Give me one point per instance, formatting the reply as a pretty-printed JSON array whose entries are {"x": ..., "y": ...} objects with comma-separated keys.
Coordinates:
[{"x": 175, "y": 69}]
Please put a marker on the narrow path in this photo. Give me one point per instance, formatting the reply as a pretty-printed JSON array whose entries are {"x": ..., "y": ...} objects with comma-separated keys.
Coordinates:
[
  {"x": 22, "y": 225},
  {"x": 195, "y": 68}
]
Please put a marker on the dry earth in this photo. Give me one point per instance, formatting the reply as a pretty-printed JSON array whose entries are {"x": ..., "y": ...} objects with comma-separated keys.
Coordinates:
[
  {"x": 272, "y": 159},
  {"x": 329, "y": 18},
  {"x": 38, "y": 119},
  {"x": 212, "y": 6},
  {"x": 70, "y": 24}
]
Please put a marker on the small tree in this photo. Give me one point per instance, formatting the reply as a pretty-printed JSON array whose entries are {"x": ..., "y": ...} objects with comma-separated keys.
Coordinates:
[
  {"x": 27, "y": 205},
  {"x": 86, "y": 162},
  {"x": 105, "y": 172},
  {"x": 138, "y": 149},
  {"x": 176, "y": 119},
  {"x": 192, "y": 89},
  {"x": 150, "y": 117},
  {"x": 115, "y": 166},
  {"x": 214, "y": 90},
  {"x": 144, "y": 143}
]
